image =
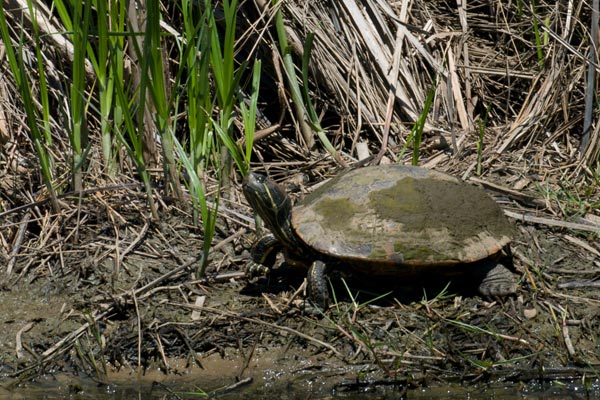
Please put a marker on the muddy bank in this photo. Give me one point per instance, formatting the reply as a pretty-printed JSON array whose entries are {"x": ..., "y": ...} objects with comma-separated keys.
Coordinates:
[
  {"x": 123, "y": 297},
  {"x": 281, "y": 376}
]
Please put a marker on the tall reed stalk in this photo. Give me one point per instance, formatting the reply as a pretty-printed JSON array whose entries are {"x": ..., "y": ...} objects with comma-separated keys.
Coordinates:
[
  {"x": 208, "y": 83},
  {"x": 40, "y": 137}
]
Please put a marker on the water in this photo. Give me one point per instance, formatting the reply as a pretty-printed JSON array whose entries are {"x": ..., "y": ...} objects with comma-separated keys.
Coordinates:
[{"x": 193, "y": 386}]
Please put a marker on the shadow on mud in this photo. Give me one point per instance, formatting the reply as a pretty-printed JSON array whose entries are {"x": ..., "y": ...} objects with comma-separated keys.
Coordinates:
[{"x": 362, "y": 288}]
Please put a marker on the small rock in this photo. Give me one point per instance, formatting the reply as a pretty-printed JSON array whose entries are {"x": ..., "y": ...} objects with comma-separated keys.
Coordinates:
[{"x": 530, "y": 313}]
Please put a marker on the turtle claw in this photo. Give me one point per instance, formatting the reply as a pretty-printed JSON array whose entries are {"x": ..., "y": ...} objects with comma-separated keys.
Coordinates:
[
  {"x": 254, "y": 270},
  {"x": 310, "y": 309}
]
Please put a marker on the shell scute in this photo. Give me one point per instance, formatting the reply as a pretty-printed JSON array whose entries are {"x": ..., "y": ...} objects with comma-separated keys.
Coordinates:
[{"x": 401, "y": 215}]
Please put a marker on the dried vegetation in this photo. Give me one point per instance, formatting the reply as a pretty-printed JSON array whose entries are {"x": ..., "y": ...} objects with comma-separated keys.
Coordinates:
[{"x": 509, "y": 81}]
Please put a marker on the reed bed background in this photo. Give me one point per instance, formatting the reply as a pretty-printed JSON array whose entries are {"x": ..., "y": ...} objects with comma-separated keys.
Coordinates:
[
  {"x": 171, "y": 95},
  {"x": 162, "y": 107}
]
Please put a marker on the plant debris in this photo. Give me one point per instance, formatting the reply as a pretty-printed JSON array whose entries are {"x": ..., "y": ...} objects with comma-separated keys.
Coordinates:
[{"x": 103, "y": 285}]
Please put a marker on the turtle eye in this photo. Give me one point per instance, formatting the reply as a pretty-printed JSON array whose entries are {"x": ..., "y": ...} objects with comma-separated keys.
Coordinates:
[{"x": 252, "y": 179}]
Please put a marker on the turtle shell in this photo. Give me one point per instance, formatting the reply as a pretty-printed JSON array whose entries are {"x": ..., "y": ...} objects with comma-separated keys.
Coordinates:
[{"x": 394, "y": 215}]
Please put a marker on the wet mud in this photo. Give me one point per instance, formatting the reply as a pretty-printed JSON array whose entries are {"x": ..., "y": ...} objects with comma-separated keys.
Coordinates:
[{"x": 120, "y": 306}]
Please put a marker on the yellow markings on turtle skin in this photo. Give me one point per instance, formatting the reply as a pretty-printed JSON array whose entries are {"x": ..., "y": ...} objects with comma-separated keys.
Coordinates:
[
  {"x": 279, "y": 222},
  {"x": 271, "y": 206},
  {"x": 264, "y": 247},
  {"x": 268, "y": 191}
]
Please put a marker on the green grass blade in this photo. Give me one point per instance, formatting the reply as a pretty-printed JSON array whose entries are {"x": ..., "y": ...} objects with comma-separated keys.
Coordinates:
[
  {"x": 21, "y": 76},
  {"x": 313, "y": 118},
  {"x": 416, "y": 133},
  {"x": 78, "y": 132},
  {"x": 292, "y": 80},
  {"x": 249, "y": 114},
  {"x": 133, "y": 142}
]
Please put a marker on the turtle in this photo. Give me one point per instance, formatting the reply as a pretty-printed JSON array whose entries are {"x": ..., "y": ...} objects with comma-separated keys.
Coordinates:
[{"x": 393, "y": 222}]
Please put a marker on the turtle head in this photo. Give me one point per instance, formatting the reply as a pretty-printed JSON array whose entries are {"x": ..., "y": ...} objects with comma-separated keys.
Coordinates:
[{"x": 272, "y": 204}]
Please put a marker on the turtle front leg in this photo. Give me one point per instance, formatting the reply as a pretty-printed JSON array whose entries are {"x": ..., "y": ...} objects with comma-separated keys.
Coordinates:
[
  {"x": 498, "y": 281},
  {"x": 264, "y": 252},
  {"x": 316, "y": 288}
]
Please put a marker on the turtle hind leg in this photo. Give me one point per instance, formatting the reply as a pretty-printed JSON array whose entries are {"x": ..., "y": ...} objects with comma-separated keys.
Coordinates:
[
  {"x": 498, "y": 281},
  {"x": 316, "y": 288}
]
